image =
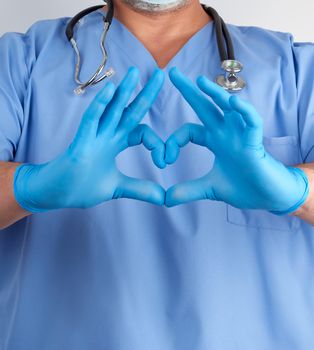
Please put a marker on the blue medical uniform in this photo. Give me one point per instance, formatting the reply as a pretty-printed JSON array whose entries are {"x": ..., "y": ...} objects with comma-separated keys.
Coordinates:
[{"x": 131, "y": 275}]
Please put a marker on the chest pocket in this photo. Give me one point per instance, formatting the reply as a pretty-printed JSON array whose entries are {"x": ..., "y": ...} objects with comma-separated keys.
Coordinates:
[{"x": 285, "y": 149}]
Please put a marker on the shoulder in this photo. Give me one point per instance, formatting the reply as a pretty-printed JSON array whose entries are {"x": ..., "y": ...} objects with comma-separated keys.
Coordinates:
[
  {"x": 40, "y": 28},
  {"x": 42, "y": 32},
  {"x": 27, "y": 47},
  {"x": 38, "y": 34},
  {"x": 270, "y": 44},
  {"x": 264, "y": 38}
]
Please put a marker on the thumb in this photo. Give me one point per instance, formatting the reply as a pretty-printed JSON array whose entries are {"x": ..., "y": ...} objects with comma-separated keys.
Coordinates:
[
  {"x": 189, "y": 191},
  {"x": 143, "y": 190}
]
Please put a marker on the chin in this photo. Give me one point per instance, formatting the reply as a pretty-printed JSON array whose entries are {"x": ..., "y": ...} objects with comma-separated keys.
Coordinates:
[{"x": 151, "y": 8}]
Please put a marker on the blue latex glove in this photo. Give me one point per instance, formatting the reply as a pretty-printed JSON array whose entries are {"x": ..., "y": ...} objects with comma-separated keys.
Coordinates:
[
  {"x": 85, "y": 174},
  {"x": 244, "y": 174}
]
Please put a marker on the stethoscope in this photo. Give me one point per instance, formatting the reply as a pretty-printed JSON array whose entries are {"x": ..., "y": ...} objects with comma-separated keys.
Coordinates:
[{"x": 229, "y": 81}]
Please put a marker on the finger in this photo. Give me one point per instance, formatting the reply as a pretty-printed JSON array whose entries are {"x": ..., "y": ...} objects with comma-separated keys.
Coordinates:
[
  {"x": 187, "y": 133},
  {"x": 219, "y": 95},
  {"x": 121, "y": 97},
  {"x": 142, "y": 190},
  {"x": 90, "y": 120},
  {"x": 247, "y": 110},
  {"x": 143, "y": 134},
  {"x": 137, "y": 109},
  {"x": 253, "y": 121},
  {"x": 206, "y": 111},
  {"x": 189, "y": 191}
]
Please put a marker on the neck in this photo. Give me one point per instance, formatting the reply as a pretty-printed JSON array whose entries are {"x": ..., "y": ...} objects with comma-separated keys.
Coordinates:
[{"x": 165, "y": 25}]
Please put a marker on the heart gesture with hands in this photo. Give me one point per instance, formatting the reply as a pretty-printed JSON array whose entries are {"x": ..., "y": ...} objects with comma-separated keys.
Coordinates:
[{"x": 85, "y": 174}]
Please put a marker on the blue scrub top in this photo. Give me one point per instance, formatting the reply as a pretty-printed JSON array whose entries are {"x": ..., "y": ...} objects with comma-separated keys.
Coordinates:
[{"x": 130, "y": 275}]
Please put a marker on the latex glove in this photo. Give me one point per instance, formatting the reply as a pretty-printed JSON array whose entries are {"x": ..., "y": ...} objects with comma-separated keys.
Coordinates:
[
  {"x": 244, "y": 174},
  {"x": 85, "y": 174}
]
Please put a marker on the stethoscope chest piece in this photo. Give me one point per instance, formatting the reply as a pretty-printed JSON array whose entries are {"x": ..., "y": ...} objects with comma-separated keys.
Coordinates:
[{"x": 230, "y": 80}]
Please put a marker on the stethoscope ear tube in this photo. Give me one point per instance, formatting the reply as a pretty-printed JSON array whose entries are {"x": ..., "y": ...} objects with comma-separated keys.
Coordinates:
[{"x": 97, "y": 77}]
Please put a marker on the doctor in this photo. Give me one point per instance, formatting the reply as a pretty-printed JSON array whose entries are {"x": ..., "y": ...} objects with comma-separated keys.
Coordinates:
[{"x": 159, "y": 269}]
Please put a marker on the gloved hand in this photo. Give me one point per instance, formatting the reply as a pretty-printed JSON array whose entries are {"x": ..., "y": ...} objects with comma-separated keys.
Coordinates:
[
  {"x": 85, "y": 174},
  {"x": 244, "y": 174}
]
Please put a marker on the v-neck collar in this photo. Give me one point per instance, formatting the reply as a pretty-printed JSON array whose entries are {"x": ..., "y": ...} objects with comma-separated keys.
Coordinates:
[{"x": 136, "y": 52}]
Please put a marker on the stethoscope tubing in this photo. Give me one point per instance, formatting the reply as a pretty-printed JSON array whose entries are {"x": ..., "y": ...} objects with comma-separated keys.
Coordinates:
[{"x": 228, "y": 62}]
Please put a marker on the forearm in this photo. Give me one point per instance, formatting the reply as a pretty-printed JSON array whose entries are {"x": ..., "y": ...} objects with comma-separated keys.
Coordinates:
[
  {"x": 306, "y": 211},
  {"x": 10, "y": 211}
]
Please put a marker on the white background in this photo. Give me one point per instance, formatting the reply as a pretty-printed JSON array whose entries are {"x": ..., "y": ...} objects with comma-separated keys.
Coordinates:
[{"x": 296, "y": 17}]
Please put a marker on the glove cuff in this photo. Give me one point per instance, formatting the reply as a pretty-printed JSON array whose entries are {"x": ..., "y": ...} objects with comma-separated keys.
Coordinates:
[
  {"x": 303, "y": 198},
  {"x": 20, "y": 188}
]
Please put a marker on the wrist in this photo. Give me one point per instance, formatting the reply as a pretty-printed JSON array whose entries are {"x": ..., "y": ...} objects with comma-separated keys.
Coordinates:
[
  {"x": 303, "y": 178},
  {"x": 22, "y": 187},
  {"x": 306, "y": 209}
]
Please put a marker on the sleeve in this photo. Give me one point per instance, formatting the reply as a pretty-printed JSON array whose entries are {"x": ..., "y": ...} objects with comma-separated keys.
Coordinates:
[
  {"x": 14, "y": 76},
  {"x": 303, "y": 53}
]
